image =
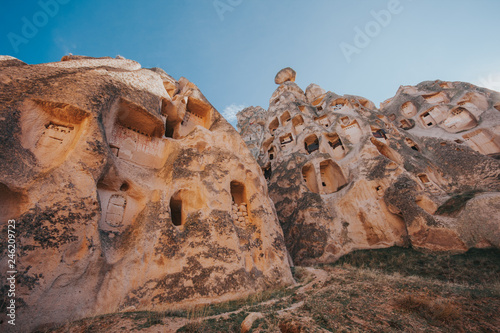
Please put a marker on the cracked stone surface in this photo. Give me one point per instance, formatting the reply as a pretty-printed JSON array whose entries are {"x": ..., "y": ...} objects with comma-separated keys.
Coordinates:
[
  {"x": 421, "y": 171},
  {"x": 130, "y": 192}
]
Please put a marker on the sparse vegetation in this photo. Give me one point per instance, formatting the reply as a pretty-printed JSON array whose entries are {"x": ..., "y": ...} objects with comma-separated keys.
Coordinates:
[
  {"x": 147, "y": 319},
  {"x": 231, "y": 323},
  {"x": 455, "y": 204},
  {"x": 430, "y": 308},
  {"x": 386, "y": 290},
  {"x": 473, "y": 267}
]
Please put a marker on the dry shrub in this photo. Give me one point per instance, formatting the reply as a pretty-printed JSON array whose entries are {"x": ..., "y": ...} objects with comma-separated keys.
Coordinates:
[
  {"x": 429, "y": 308},
  {"x": 292, "y": 326}
]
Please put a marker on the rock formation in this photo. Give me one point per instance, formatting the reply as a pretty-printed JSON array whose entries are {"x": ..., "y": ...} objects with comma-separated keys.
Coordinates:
[
  {"x": 130, "y": 191},
  {"x": 419, "y": 172}
]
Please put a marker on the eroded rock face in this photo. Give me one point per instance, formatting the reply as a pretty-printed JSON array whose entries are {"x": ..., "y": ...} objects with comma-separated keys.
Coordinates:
[
  {"x": 130, "y": 191},
  {"x": 285, "y": 75},
  {"x": 344, "y": 175},
  {"x": 456, "y": 127}
]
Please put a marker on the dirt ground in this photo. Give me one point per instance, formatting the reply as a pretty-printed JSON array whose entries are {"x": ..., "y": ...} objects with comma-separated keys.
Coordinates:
[{"x": 391, "y": 290}]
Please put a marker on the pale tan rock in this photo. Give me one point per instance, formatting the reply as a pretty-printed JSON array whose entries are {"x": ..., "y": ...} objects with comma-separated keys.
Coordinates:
[
  {"x": 10, "y": 61},
  {"x": 483, "y": 210},
  {"x": 285, "y": 75},
  {"x": 345, "y": 176},
  {"x": 451, "y": 111},
  {"x": 314, "y": 93},
  {"x": 122, "y": 182},
  {"x": 246, "y": 325}
]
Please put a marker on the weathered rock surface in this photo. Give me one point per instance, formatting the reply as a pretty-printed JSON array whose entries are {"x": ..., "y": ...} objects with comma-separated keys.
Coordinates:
[
  {"x": 344, "y": 175},
  {"x": 285, "y": 75},
  {"x": 130, "y": 191}
]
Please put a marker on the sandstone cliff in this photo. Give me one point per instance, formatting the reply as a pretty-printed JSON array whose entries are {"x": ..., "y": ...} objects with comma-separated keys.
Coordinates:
[
  {"x": 130, "y": 191},
  {"x": 344, "y": 175}
]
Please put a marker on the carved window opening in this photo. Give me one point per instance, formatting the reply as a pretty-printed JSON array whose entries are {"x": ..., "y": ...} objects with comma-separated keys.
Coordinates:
[
  {"x": 271, "y": 153},
  {"x": 483, "y": 141},
  {"x": 169, "y": 128},
  {"x": 378, "y": 133},
  {"x": 197, "y": 113},
  {"x": 438, "y": 113},
  {"x": 345, "y": 121},
  {"x": 285, "y": 118},
  {"x": 177, "y": 213},
  {"x": 124, "y": 187},
  {"x": 408, "y": 109},
  {"x": 412, "y": 144},
  {"x": 267, "y": 143},
  {"x": 54, "y": 136},
  {"x": 190, "y": 117},
  {"x": 298, "y": 123},
  {"x": 239, "y": 203},
  {"x": 332, "y": 177},
  {"x": 116, "y": 209},
  {"x": 138, "y": 119},
  {"x": 115, "y": 150},
  {"x": 323, "y": 121},
  {"x": 56, "y": 129},
  {"x": 286, "y": 139},
  {"x": 424, "y": 178},
  {"x": 267, "y": 171},
  {"x": 10, "y": 203},
  {"x": 238, "y": 194},
  {"x": 273, "y": 125},
  {"x": 407, "y": 124},
  {"x": 335, "y": 143},
  {"x": 459, "y": 120},
  {"x": 474, "y": 99},
  {"x": 136, "y": 135},
  {"x": 352, "y": 132},
  {"x": 311, "y": 143},
  {"x": 337, "y": 105},
  {"x": 131, "y": 146},
  {"x": 427, "y": 119},
  {"x": 309, "y": 176}
]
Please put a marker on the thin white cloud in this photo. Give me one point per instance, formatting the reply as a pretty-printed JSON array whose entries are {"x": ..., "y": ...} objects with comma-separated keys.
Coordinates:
[
  {"x": 65, "y": 46},
  {"x": 230, "y": 111},
  {"x": 491, "y": 81}
]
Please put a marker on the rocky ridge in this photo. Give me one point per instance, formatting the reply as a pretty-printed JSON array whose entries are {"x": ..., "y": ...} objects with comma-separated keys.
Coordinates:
[
  {"x": 421, "y": 171},
  {"x": 122, "y": 181}
]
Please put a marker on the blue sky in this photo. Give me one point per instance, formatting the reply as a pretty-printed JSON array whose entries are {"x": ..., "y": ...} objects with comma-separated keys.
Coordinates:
[{"x": 232, "y": 49}]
